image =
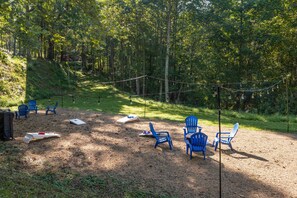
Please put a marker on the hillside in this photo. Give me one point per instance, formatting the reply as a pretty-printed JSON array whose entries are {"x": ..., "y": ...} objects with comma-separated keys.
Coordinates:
[
  {"x": 37, "y": 79},
  {"x": 12, "y": 80}
]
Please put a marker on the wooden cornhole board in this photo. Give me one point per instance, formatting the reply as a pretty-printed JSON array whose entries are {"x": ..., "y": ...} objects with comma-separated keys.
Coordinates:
[
  {"x": 129, "y": 118},
  {"x": 39, "y": 135},
  {"x": 77, "y": 121}
]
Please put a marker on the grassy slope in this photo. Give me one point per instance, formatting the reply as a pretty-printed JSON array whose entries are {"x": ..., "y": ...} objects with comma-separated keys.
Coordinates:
[{"x": 12, "y": 80}]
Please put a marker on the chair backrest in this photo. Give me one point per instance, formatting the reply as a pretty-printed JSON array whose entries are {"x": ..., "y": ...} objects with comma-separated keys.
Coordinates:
[
  {"x": 32, "y": 104},
  {"x": 23, "y": 109},
  {"x": 52, "y": 107},
  {"x": 56, "y": 105},
  {"x": 199, "y": 139},
  {"x": 191, "y": 124},
  {"x": 153, "y": 131},
  {"x": 234, "y": 131}
]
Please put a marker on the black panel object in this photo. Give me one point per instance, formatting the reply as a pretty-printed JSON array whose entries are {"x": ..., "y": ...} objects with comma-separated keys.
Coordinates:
[{"x": 6, "y": 125}]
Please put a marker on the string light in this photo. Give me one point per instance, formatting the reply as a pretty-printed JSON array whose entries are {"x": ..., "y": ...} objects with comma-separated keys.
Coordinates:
[
  {"x": 242, "y": 96},
  {"x": 205, "y": 85},
  {"x": 252, "y": 90}
]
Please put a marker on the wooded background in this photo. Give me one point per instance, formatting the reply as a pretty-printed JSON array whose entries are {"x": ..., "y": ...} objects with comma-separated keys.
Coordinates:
[{"x": 183, "y": 47}]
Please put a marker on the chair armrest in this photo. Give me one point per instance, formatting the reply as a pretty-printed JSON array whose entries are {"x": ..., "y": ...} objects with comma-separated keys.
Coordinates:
[
  {"x": 224, "y": 133},
  {"x": 198, "y": 127},
  {"x": 187, "y": 141},
  {"x": 50, "y": 107},
  {"x": 162, "y": 132}
]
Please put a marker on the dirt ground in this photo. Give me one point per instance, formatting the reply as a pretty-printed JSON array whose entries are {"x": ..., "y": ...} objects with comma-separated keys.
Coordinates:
[{"x": 262, "y": 164}]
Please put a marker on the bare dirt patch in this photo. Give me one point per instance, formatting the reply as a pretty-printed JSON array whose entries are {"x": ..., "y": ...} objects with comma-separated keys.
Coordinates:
[{"x": 263, "y": 163}]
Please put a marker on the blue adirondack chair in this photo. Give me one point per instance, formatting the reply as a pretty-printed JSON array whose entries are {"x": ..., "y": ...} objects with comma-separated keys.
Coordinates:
[
  {"x": 196, "y": 143},
  {"x": 161, "y": 136},
  {"x": 191, "y": 126},
  {"x": 32, "y": 106},
  {"x": 226, "y": 137},
  {"x": 23, "y": 110},
  {"x": 51, "y": 108}
]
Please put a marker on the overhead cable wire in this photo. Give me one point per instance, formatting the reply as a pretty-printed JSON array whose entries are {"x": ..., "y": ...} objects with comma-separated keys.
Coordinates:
[
  {"x": 124, "y": 80},
  {"x": 224, "y": 84},
  {"x": 178, "y": 82},
  {"x": 252, "y": 90}
]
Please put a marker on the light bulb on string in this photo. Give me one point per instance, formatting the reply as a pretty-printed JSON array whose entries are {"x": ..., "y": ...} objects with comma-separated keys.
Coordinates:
[
  {"x": 130, "y": 99},
  {"x": 242, "y": 96}
]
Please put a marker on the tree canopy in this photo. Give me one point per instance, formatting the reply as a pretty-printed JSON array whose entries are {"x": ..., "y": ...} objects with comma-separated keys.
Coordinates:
[{"x": 246, "y": 46}]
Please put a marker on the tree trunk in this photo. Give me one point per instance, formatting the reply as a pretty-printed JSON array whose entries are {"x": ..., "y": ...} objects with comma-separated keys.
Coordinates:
[
  {"x": 137, "y": 87},
  {"x": 160, "y": 92},
  {"x": 14, "y": 45},
  {"x": 83, "y": 57},
  {"x": 167, "y": 54},
  {"x": 50, "y": 53}
]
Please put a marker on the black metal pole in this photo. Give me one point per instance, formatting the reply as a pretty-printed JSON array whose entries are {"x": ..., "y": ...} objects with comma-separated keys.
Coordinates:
[
  {"x": 62, "y": 100},
  {"x": 287, "y": 108},
  {"x": 220, "y": 150},
  {"x": 144, "y": 106}
]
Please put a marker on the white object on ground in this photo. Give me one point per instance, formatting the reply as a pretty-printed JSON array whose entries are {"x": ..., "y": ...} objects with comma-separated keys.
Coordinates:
[
  {"x": 129, "y": 118},
  {"x": 77, "y": 121},
  {"x": 146, "y": 134},
  {"x": 39, "y": 135}
]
